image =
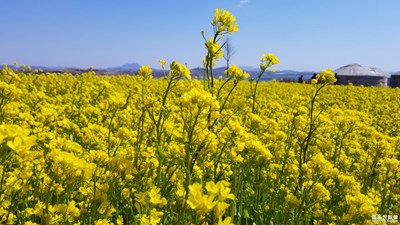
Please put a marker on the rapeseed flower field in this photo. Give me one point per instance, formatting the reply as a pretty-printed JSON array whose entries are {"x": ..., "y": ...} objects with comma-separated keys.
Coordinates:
[{"x": 88, "y": 149}]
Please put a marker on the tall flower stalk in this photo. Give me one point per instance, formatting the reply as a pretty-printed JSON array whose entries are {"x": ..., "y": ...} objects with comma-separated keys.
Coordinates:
[
  {"x": 267, "y": 60},
  {"x": 223, "y": 23}
]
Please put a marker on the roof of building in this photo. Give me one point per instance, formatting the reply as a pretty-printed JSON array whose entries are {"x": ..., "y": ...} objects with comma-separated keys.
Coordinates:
[{"x": 359, "y": 70}]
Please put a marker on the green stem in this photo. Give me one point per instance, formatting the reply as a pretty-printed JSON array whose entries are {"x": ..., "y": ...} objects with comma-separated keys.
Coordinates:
[
  {"x": 255, "y": 90},
  {"x": 230, "y": 92}
]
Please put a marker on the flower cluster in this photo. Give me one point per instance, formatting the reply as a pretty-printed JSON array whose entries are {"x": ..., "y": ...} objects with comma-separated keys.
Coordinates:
[
  {"x": 326, "y": 76},
  {"x": 236, "y": 73},
  {"x": 224, "y": 21},
  {"x": 213, "y": 201},
  {"x": 145, "y": 72},
  {"x": 214, "y": 48},
  {"x": 268, "y": 60},
  {"x": 177, "y": 69}
]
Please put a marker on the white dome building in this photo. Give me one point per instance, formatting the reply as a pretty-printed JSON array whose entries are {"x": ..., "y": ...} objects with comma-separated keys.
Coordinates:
[{"x": 362, "y": 75}]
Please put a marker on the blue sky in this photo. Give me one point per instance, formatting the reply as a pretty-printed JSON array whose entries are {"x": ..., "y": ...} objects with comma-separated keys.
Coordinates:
[{"x": 305, "y": 35}]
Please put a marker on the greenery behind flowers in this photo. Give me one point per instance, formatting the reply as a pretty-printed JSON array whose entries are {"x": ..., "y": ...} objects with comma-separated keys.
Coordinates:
[{"x": 132, "y": 150}]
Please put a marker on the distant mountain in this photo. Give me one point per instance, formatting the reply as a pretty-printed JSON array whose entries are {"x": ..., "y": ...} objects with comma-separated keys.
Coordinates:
[
  {"x": 197, "y": 73},
  {"x": 249, "y": 68},
  {"x": 130, "y": 68}
]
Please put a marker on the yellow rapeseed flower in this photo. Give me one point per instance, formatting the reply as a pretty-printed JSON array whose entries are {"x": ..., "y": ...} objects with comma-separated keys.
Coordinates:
[
  {"x": 268, "y": 60},
  {"x": 155, "y": 197},
  {"x": 220, "y": 189},
  {"x": 225, "y": 221},
  {"x": 198, "y": 201},
  {"x": 145, "y": 72},
  {"x": 162, "y": 63},
  {"x": 328, "y": 76},
  {"x": 224, "y": 21},
  {"x": 177, "y": 69},
  {"x": 236, "y": 72},
  {"x": 214, "y": 49}
]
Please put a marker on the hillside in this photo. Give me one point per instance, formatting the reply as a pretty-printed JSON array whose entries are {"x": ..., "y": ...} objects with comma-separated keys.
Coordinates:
[{"x": 197, "y": 73}]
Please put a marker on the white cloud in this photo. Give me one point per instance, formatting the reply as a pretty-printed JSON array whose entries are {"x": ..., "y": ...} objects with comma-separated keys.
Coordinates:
[{"x": 243, "y": 2}]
